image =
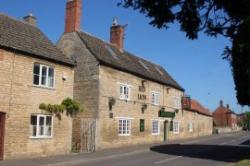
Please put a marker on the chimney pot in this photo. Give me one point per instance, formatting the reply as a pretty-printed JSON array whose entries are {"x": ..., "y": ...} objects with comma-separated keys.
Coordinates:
[
  {"x": 30, "y": 19},
  {"x": 117, "y": 34},
  {"x": 228, "y": 106},
  {"x": 73, "y": 15},
  {"x": 221, "y": 103}
]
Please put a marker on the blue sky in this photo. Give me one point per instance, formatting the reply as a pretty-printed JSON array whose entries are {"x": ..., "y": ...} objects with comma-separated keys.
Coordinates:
[{"x": 197, "y": 65}]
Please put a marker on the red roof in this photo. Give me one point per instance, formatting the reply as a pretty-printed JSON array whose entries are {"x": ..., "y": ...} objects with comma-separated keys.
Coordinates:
[
  {"x": 223, "y": 109},
  {"x": 197, "y": 107}
]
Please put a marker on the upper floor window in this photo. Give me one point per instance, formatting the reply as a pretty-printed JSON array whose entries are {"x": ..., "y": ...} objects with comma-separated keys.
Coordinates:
[
  {"x": 124, "y": 92},
  {"x": 41, "y": 126},
  {"x": 155, "y": 96},
  {"x": 43, "y": 75},
  {"x": 177, "y": 102}
]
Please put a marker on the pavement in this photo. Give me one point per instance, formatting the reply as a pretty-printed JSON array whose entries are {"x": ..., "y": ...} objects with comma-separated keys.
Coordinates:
[{"x": 216, "y": 150}]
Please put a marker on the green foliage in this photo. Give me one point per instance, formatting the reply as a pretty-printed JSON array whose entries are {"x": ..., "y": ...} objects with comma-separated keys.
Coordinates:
[
  {"x": 241, "y": 63},
  {"x": 111, "y": 103},
  {"x": 229, "y": 18},
  {"x": 246, "y": 120},
  {"x": 70, "y": 106}
]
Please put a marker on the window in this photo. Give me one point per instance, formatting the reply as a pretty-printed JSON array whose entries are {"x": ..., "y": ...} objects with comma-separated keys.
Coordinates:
[
  {"x": 142, "y": 124},
  {"x": 190, "y": 127},
  {"x": 124, "y": 127},
  {"x": 155, "y": 98},
  {"x": 176, "y": 127},
  {"x": 177, "y": 102},
  {"x": 43, "y": 76},
  {"x": 41, "y": 126},
  {"x": 155, "y": 127},
  {"x": 124, "y": 92}
]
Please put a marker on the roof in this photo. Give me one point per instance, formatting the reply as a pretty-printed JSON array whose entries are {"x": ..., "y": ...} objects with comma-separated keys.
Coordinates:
[
  {"x": 108, "y": 54},
  {"x": 197, "y": 107},
  {"x": 223, "y": 109},
  {"x": 27, "y": 39}
]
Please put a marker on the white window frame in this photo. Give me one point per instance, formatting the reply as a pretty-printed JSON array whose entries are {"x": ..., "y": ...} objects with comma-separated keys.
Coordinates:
[
  {"x": 124, "y": 126},
  {"x": 157, "y": 131},
  {"x": 122, "y": 94},
  {"x": 176, "y": 127},
  {"x": 177, "y": 102},
  {"x": 44, "y": 125},
  {"x": 190, "y": 127},
  {"x": 155, "y": 98},
  {"x": 47, "y": 75}
]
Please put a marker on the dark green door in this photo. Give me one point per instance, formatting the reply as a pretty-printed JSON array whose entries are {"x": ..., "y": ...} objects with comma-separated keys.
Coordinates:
[{"x": 165, "y": 130}]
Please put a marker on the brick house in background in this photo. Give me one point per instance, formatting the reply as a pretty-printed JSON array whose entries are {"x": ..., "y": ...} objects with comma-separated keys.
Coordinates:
[
  {"x": 224, "y": 117},
  {"x": 128, "y": 100},
  {"x": 31, "y": 72}
]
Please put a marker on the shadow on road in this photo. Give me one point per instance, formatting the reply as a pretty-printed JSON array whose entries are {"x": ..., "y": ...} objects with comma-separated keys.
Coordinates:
[
  {"x": 246, "y": 142},
  {"x": 210, "y": 152}
]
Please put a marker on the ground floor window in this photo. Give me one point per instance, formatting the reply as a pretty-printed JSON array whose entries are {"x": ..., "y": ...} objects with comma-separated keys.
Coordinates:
[
  {"x": 176, "y": 127},
  {"x": 190, "y": 127},
  {"x": 124, "y": 127},
  {"x": 155, "y": 127},
  {"x": 142, "y": 124},
  {"x": 41, "y": 126}
]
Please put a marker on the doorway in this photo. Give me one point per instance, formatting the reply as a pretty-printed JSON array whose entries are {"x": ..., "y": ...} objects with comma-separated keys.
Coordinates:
[
  {"x": 165, "y": 131},
  {"x": 2, "y": 126}
]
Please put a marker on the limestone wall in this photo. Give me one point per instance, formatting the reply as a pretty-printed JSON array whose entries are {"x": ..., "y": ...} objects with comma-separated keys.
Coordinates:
[
  {"x": 19, "y": 98},
  {"x": 110, "y": 80}
]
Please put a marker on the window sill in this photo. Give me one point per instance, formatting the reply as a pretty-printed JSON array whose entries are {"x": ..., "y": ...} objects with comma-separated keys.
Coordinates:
[
  {"x": 176, "y": 132},
  {"x": 40, "y": 137},
  {"x": 43, "y": 87},
  {"x": 124, "y": 135},
  {"x": 155, "y": 134},
  {"x": 125, "y": 99}
]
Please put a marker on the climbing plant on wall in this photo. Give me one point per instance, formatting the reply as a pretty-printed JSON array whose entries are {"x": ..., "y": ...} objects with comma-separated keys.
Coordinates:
[{"x": 68, "y": 105}]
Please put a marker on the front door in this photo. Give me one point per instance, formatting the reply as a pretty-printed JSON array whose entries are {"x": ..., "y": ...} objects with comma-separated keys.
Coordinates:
[
  {"x": 165, "y": 130},
  {"x": 2, "y": 126}
]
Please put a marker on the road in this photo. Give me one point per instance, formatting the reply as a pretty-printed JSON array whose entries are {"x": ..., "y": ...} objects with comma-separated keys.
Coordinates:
[{"x": 220, "y": 150}]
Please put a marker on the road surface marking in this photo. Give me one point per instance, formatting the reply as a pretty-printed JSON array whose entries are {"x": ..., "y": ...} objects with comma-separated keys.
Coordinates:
[
  {"x": 234, "y": 140},
  {"x": 87, "y": 160},
  {"x": 166, "y": 160}
]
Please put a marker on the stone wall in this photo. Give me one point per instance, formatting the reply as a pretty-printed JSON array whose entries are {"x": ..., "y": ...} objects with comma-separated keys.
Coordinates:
[
  {"x": 110, "y": 80},
  {"x": 19, "y": 98},
  {"x": 86, "y": 86}
]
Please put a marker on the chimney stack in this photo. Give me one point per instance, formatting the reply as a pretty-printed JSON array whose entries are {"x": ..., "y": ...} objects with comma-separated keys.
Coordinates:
[
  {"x": 221, "y": 103},
  {"x": 117, "y": 34},
  {"x": 30, "y": 19},
  {"x": 228, "y": 106},
  {"x": 73, "y": 15}
]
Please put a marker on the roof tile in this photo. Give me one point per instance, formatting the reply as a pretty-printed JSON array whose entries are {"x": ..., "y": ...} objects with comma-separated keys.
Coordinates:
[
  {"x": 108, "y": 54},
  {"x": 21, "y": 36}
]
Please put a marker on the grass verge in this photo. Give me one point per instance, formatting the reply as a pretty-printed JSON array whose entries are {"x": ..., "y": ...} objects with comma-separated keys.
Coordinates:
[{"x": 243, "y": 163}]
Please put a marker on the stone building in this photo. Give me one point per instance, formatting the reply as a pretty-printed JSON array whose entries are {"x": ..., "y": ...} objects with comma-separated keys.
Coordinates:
[
  {"x": 32, "y": 71},
  {"x": 128, "y": 100},
  {"x": 224, "y": 117}
]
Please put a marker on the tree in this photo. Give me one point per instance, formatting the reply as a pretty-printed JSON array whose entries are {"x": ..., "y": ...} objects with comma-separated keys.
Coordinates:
[
  {"x": 246, "y": 120},
  {"x": 229, "y": 18}
]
